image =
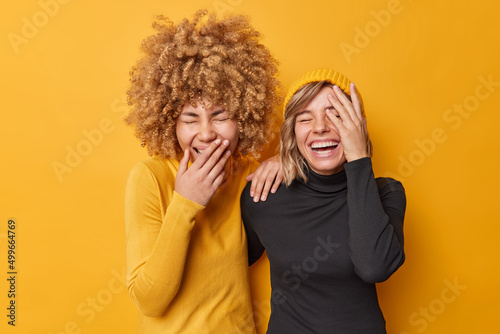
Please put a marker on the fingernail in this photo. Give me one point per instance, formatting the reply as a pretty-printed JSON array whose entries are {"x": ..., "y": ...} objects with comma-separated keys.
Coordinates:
[
  {"x": 263, "y": 198},
  {"x": 273, "y": 191},
  {"x": 336, "y": 87},
  {"x": 228, "y": 153},
  {"x": 330, "y": 96},
  {"x": 251, "y": 193},
  {"x": 225, "y": 142},
  {"x": 256, "y": 199},
  {"x": 217, "y": 141}
]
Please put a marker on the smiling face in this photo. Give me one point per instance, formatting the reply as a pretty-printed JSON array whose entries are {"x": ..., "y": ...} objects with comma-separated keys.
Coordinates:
[
  {"x": 197, "y": 127},
  {"x": 317, "y": 138}
]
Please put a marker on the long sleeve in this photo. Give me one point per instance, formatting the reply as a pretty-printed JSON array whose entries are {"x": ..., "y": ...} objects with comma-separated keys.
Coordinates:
[
  {"x": 255, "y": 247},
  {"x": 157, "y": 242},
  {"x": 376, "y": 214}
]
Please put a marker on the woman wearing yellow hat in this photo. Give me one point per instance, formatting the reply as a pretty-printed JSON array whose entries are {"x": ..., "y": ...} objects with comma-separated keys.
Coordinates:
[{"x": 335, "y": 230}]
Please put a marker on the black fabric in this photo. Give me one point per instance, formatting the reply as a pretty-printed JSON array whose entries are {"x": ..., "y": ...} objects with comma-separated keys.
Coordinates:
[{"x": 328, "y": 241}]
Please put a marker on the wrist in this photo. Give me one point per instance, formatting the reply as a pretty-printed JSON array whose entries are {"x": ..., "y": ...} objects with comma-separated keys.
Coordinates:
[{"x": 357, "y": 157}]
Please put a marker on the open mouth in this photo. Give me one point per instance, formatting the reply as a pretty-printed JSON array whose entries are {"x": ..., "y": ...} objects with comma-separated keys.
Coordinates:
[
  {"x": 198, "y": 151},
  {"x": 324, "y": 148}
]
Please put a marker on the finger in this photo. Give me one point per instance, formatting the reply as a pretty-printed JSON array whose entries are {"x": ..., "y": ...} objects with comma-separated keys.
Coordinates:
[
  {"x": 277, "y": 181},
  {"x": 255, "y": 176},
  {"x": 347, "y": 112},
  {"x": 334, "y": 99},
  {"x": 215, "y": 156},
  {"x": 270, "y": 185},
  {"x": 274, "y": 177},
  {"x": 219, "y": 171},
  {"x": 356, "y": 101},
  {"x": 272, "y": 182},
  {"x": 258, "y": 184},
  {"x": 337, "y": 122},
  {"x": 249, "y": 178},
  {"x": 183, "y": 164},
  {"x": 205, "y": 155},
  {"x": 219, "y": 166},
  {"x": 218, "y": 180}
]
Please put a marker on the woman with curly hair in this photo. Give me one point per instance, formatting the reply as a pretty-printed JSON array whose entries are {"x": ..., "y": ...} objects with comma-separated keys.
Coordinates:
[
  {"x": 203, "y": 99},
  {"x": 335, "y": 230}
]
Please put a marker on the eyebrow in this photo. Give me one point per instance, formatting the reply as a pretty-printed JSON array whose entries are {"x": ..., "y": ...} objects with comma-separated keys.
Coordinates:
[
  {"x": 217, "y": 112},
  {"x": 189, "y": 114},
  {"x": 303, "y": 112},
  {"x": 212, "y": 114}
]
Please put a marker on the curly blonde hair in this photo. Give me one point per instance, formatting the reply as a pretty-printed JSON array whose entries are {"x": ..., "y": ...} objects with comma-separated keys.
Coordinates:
[{"x": 219, "y": 61}]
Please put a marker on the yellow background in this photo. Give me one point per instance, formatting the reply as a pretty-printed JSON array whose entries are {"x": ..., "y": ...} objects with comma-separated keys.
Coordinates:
[{"x": 66, "y": 80}]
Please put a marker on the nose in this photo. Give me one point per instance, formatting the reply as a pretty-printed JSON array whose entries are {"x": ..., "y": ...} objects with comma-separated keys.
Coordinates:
[
  {"x": 320, "y": 125},
  {"x": 206, "y": 133}
]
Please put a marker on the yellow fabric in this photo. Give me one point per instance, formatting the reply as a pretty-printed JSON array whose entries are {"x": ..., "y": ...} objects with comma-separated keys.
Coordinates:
[
  {"x": 320, "y": 74},
  {"x": 187, "y": 265}
]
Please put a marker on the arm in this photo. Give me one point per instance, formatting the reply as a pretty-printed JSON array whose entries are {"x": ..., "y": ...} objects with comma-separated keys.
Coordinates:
[
  {"x": 375, "y": 222},
  {"x": 255, "y": 247},
  {"x": 156, "y": 247},
  {"x": 375, "y": 218}
]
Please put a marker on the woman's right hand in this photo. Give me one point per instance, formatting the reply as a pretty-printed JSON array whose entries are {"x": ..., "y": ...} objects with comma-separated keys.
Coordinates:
[
  {"x": 351, "y": 123},
  {"x": 199, "y": 182}
]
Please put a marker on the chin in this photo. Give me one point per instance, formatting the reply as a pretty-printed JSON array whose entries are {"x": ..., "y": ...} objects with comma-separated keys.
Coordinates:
[{"x": 327, "y": 169}]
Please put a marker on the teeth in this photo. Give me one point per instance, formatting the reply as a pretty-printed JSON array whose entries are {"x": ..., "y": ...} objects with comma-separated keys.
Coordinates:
[
  {"x": 198, "y": 151},
  {"x": 324, "y": 144},
  {"x": 323, "y": 152}
]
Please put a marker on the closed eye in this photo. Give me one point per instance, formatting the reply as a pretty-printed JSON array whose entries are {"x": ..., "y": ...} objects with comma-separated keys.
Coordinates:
[
  {"x": 221, "y": 119},
  {"x": 304, "y": 117},
  {"x": 334, "y": 111}
]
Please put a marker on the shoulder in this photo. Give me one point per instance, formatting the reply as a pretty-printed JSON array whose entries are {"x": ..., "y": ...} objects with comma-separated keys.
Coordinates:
[
  {"x": 275, "y": 204},
  {"x": 392, "y": 194},
  {"x": 154, "y": 169},
  {"x": 158, "y": 164},
  {"x": 387, "y": 184},
  {"x": 245, "y": 195},
  {"x": 241, "y": 169},
  {"x": 246, "y": 165}
]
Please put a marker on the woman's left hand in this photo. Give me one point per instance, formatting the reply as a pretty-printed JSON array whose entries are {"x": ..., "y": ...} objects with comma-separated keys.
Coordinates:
[
  {"x": 267, "y": 175},
  {"x": 350, "y": 123}
]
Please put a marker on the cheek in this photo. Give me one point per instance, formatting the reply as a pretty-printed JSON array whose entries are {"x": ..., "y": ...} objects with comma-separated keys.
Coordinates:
[
  {"x": 230, "y": 132},
  {"x": 183, "y": 136},
  {"x": 233, "y": 128},
  {"x": 301, "y": 138}
]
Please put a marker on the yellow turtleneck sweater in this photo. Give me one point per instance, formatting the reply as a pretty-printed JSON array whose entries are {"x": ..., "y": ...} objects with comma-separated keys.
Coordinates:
[{"x": 187, "y": 265}]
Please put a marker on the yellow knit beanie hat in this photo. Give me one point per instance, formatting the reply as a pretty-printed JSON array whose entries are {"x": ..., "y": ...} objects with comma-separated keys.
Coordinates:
[{"x": 320, "y": 74}]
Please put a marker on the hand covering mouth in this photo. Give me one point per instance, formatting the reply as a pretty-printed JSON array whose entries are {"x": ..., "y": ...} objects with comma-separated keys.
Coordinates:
[{"x": 198, "y": 151}]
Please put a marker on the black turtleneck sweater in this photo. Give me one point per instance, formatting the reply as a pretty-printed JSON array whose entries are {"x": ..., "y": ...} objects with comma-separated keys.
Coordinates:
[{"x": 328, "y": 241}]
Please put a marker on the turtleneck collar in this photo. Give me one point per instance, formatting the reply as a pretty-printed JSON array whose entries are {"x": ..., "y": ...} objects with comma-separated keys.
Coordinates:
[{"x": 321, "y": 185}]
